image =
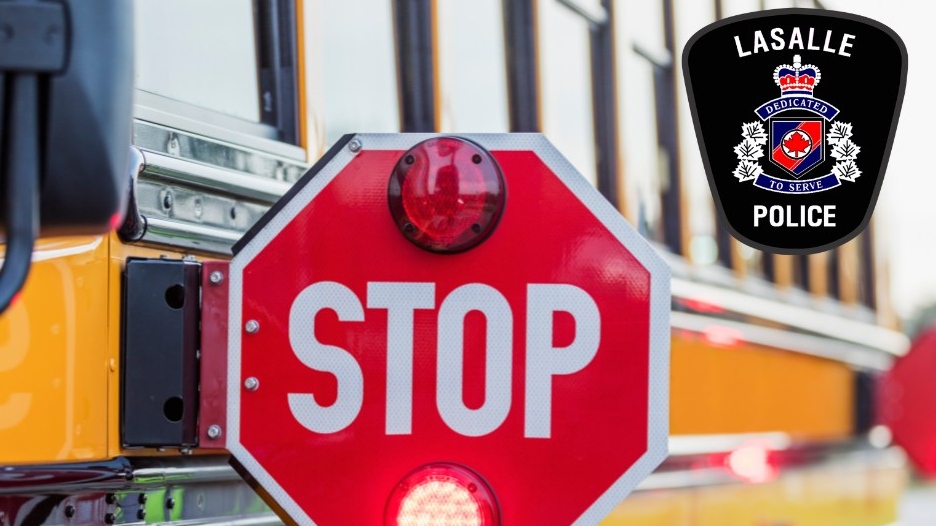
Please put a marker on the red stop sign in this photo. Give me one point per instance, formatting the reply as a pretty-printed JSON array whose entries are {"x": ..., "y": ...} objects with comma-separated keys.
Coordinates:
[
  {"x": 538, "y": 360},
  {"x": 905, "y": 401}
]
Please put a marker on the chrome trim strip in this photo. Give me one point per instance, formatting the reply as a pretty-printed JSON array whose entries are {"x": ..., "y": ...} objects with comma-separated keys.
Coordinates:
[
  {"x": 208, "y": 177},
  {"x": 820, "y": 346},
  {"x": 168, "y": 474},
  {"x": 706, "y": 444},
  {"x": 820, "y": 323},
  {"x": 149, "y": 473},
  {"x": 186, "y": 117},
  {"x": 189, "y": 235},
  {"x": 213, "y": 152},
  {"x": 260, "y": 519}
]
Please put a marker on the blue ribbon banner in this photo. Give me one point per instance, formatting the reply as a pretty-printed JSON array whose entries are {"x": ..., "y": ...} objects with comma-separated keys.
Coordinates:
[
  {"x": 785, "y": 186},
  {"x": 797, "y": 102}
]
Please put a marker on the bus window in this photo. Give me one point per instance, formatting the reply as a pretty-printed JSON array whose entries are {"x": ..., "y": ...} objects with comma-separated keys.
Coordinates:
[
  {"x": 642, "y": 57},
  {"x": 351, "y": 69},
  {"x": 737, "y": 7},
  {"x": 239, "y": 79},
  {"x": 857, "y": 271},
  {"x": 471, "y": 67},
  {"x": 215, "y": 70},
  {"x": 699, "y": 220},
  {"x": 563, "y": 38}
]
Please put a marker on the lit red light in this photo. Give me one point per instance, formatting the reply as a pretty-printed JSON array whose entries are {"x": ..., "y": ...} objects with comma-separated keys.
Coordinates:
[
  {"x": 702, "y": 305},
  {"x": 752, "y": 463},
  {"x": 722, "y": 336},
  {"x": 442, "y": 495},
  {"x": 446, "y": 194}
]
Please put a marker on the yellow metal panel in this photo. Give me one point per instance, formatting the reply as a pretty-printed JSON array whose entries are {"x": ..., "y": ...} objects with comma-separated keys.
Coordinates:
[
  {"x": 749, "y": 389},
  {"x": 822, "y": 496},
  {"x": 841, "y": 497},
  {"x": 654, "y": 508},
  {"x": 54, "y": 357}
]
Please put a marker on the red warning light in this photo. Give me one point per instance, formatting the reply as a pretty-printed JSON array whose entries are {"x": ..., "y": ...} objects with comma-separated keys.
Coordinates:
[
  {"x": 446, "y": 194},
  {"x": 752, "y": 463},
  {"x": 442, "y": 495}
]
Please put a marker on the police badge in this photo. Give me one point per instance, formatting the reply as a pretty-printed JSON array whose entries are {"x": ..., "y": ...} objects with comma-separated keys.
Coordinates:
[{"x": 817, "y": 113}]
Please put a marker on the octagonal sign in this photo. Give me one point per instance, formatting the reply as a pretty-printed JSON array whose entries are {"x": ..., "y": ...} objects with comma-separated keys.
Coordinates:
[{"x": 532, "y": 368}]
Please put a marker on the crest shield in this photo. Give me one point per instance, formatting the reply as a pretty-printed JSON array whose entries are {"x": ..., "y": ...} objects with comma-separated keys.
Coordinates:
[{"x": 796, "y": 145}]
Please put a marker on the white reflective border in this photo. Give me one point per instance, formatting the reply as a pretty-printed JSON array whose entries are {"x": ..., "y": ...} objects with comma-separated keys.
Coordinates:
[{"x": 658, "y": 395}]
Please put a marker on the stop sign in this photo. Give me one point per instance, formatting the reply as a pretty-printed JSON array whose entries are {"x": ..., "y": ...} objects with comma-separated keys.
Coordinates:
[
  {"x": 905, "y": 401},
  {"x": 533, "y": 365}
]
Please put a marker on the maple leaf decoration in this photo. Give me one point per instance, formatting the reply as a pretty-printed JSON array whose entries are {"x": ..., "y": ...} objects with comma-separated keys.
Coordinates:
[
  {"x": 796, "y": 143},
  {"x": 748, "y": 150},
  {"x": 747, "y": 170},
  {"x": 754, "y": 131},
  {"x": 847, "y": 170},
  {"x": 841, "y": 131},
  {"x": 846, "y": 150}
]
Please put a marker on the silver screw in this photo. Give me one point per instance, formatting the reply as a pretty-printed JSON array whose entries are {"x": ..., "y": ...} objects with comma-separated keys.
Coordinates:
[
  {"x": 214, "y": 431},
  {"x": 216, "y": 277},
  {"x": 252, "y": 326},
  {"x": 251, "y": 383},
  {"x": 355, "y": 145}
]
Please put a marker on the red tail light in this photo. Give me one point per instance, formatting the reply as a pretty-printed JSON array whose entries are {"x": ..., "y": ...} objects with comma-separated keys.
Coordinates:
[
  {"x": 446, "y": 194},
  {"x": 442, "y": 495}
]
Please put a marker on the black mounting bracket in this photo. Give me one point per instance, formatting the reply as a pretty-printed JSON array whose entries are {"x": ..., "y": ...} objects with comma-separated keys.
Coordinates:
[{"x": 159, "y": 388}]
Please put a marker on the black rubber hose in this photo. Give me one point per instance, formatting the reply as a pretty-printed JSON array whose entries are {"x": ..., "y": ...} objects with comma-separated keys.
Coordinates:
[{"x": 20, "y": 171}]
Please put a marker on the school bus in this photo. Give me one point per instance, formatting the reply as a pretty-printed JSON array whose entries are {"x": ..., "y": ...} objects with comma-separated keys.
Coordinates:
[{"x": 774, "y": 358}]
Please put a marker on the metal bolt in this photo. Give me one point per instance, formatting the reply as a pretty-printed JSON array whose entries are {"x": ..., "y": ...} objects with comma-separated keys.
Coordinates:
[
  {"x": 69, "y": 511},
  {"x": 216, "y": 277},
  {"x": 252, "y": 326},
  {"x": 167, "y": 201},
  {"x": 355, "y": 145},
  {"x": 214, "y": 431},
  {"x": 142, "y": 498},
  {"x": 110, "y": 518},
  {"x": 170, "y": 503},
  {"x": 141, "y": 514},
  {"x": 251, "y": 384},
  {"x": 110, "y": 498},
  {"x": 172, "y": 146}
]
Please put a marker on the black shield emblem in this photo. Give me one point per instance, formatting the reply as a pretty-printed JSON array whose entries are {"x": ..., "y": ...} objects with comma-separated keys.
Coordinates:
[{"x": 795, "y": 112}]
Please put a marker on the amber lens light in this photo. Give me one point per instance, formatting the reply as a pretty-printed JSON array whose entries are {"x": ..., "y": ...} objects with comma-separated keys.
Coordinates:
[
  {"x": 446, "y": 194},
  {"x": 442, "y": 495}
]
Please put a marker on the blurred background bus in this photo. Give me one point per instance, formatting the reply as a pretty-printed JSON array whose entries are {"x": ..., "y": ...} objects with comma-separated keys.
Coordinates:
[{"x": 775, "y": 359}]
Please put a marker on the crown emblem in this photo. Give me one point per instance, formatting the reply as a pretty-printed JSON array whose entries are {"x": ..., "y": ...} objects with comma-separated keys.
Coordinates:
[{"x": 796, "y": 79}]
